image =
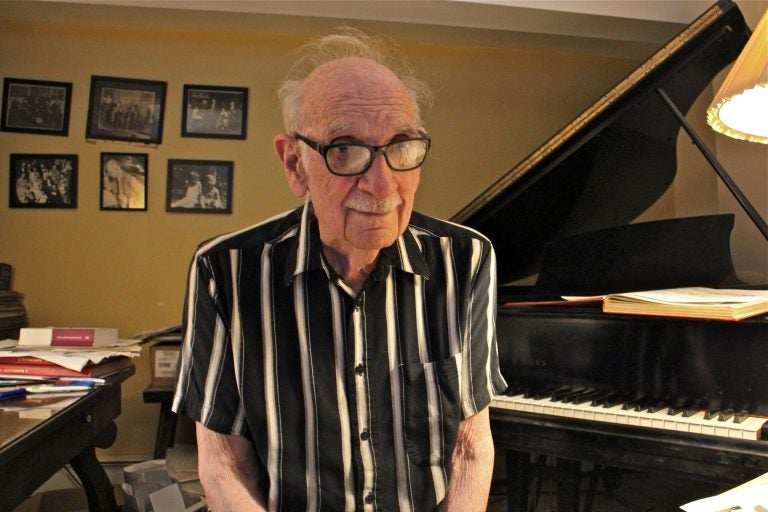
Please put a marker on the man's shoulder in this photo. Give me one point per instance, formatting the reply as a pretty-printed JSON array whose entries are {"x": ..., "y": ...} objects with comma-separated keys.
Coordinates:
[
  {"x": 255, "y": 237},
  {"x": 424, "y": 225}
]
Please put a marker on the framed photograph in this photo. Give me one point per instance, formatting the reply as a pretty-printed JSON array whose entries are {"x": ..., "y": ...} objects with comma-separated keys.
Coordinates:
[
  {"x": 126, "y": 109},
  {"x": 199, "y": 186},
  {"x": 43, "y": 181},
  {"x": 36, "y": 106},
  {"x": 123, "y": 181},
  {"x": 215, "y": 112}
]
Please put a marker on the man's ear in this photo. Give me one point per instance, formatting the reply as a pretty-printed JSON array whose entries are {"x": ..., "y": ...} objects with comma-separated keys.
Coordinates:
[{"x": 285, "y": 149}]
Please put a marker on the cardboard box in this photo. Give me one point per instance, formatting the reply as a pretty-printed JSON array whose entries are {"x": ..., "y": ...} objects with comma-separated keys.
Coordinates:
[{"x": 164, "y": 358}]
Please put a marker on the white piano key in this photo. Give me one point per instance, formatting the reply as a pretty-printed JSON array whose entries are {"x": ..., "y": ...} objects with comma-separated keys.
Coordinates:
[{"x": 697, "y": 423}]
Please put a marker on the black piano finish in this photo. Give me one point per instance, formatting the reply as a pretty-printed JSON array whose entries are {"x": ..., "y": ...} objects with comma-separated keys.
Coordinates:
[
  {"x": 613, "y": 161},
  {"x": 706, "y": 364},
  {"x": 581, "y": 187}
]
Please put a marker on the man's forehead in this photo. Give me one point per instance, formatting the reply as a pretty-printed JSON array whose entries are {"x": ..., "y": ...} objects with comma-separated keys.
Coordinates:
[{"x": 341, "y": 90}]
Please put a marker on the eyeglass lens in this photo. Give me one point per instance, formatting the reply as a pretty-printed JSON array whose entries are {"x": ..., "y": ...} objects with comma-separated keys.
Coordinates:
[{"x": 352, "y": 159}]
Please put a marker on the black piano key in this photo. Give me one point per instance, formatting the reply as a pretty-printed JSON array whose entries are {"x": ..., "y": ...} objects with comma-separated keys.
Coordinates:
[
  {"x": 582, "y": 398},
  {"x": 575, "y": 395},
  {"x": 614, "y": 399},
  {"x": 725, "y": 415},
  {"x": 740, "y": 416},
  {"x": 550, "y": 392},
  {"x": 603, "y": 398},
  {"x": 561, "y": 394},
  {"x": 711, "y": 414}
]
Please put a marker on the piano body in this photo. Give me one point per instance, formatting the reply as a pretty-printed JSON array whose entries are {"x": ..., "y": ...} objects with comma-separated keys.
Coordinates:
[{"x": 659, "y": 394}]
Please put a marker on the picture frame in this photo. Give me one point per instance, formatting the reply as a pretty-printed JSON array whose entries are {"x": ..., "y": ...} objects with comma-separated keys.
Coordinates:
[
  {"x": 124, "y": 181},
  {"x": 43, "y": 181},
  {"x": 199, "y": 186},
  {"x": 126, "y": 109},
  {"x": 36, "y": 106},
  {"x": 212, "y": 111}
]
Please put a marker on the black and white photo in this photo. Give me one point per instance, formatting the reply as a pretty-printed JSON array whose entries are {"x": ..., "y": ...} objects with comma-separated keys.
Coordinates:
[
  {"x": 43, "y": 181},
  {"x": 199, "y": 186},
  {"x": 36, "y": 106},
  {"x": 214, "y": 112},
  {"x": 126, "y": 109},
  {"x": 123, "y": 181}
]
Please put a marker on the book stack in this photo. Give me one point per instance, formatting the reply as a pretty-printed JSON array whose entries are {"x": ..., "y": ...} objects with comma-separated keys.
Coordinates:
[
  {"x": 51, "y": 353},
  {"x": 13, "y": 315}
]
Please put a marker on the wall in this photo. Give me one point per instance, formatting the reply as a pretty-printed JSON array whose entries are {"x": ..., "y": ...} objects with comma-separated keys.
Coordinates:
[{"x": 127, "y": 269}]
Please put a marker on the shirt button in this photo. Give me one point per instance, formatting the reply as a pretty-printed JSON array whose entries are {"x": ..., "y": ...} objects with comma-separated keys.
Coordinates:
[
  {"x": 369, "y": 498},
  {"x": 365, "y": 435},
  {"x": 360, "y": 369}
]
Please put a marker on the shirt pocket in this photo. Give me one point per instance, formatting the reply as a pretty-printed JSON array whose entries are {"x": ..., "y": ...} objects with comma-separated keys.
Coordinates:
[{"x": 432, "y": 409}]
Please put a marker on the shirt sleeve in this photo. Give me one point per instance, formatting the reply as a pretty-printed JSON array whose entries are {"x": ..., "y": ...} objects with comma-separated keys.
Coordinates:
[
  {"x": 206, "y": 390},
  {"x": 481, "y": 357}
]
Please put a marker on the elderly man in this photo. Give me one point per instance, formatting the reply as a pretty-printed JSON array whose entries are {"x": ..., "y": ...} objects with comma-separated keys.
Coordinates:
[{"x": 342, "y": 356}]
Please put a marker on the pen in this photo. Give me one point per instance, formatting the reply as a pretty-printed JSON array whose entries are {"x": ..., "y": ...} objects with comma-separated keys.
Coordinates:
[
  {"x": 56, "y": 388},
  {"x": 83, "y": 383},
  {"x": 12, "y": 393},
  {"x": 96, "y": 381}
]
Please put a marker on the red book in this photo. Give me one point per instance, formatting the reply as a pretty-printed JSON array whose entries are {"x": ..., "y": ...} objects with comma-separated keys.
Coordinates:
[
  {"x": 25, "y": 360},
  {"x": 104, "y": 368}
]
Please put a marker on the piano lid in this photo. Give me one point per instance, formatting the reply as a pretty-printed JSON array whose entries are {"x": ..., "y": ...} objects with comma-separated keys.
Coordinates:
[{"x": 614, "y": 160}]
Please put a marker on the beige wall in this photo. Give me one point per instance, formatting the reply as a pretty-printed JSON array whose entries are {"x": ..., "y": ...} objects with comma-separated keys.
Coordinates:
[{"x": 127, "y": 269}]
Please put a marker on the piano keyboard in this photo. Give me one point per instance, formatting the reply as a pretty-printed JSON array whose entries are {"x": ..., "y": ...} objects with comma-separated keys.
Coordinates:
[{"x": 587, "y": 405}]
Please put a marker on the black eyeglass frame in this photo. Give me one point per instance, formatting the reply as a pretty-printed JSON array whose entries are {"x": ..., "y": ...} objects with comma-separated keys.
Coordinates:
[{"x": 323, "y": 149}]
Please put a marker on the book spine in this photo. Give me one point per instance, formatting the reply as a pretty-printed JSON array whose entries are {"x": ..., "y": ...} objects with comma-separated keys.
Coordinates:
[
  {"x": 26, "y": 360},
  {"x": 40, "y": 370},
  {"x": 72, "y": 337}
]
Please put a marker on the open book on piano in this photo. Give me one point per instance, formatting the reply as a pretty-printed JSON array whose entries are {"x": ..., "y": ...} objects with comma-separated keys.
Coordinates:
[{"x": 689, "y": 302}]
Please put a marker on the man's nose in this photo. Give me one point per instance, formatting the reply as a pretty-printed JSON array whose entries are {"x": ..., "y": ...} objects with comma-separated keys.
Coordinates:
[{"x": 379, "y": 180}]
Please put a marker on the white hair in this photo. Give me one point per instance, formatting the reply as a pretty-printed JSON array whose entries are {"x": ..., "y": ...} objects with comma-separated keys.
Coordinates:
[{"x": 342, "y": 43}]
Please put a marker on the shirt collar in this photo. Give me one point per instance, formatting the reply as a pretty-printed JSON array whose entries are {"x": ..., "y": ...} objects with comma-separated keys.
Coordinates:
[{"x": 405, "y": 254}]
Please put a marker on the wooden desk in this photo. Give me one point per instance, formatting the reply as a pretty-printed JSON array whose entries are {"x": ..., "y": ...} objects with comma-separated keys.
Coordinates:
[
  {"x": 33, "y": 449},
  {"x": 166, "y": 422}
]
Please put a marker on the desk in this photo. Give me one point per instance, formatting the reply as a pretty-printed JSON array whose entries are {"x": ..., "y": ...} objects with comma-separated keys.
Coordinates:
[
  {"x": 32, "y": 450},
  {"x": 166, "y": 423}
]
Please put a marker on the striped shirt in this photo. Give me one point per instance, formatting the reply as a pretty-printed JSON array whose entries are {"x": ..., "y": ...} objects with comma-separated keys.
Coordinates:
[{"x": 352, "y": 401}]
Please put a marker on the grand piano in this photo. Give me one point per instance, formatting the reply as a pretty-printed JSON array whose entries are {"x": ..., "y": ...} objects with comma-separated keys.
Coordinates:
[{"x": 669, "y": 395}]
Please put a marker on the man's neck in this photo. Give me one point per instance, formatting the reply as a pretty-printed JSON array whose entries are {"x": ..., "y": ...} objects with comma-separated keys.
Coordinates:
[{"x": 354, "y": 267}]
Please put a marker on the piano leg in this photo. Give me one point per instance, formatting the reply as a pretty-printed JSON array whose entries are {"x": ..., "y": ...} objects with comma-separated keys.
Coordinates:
[
  {"x": 518, "y": 480},
  {"x": 568, "y": 478},
  {"x": 566, "y": 474}
]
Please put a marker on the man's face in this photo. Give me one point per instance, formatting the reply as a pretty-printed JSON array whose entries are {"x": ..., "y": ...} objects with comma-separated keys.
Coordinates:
[{"x": 357, "y": 100}]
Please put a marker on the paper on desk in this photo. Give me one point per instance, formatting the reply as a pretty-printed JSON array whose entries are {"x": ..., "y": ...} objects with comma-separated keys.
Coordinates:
[
  {"x": 8, "y": 343},
  {"x": 74, "y": 359},
  {"x": 752, "y": 495}
]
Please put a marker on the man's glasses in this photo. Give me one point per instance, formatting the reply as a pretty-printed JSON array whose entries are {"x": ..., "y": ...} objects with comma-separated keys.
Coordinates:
[{"x": 353, "y": 159}]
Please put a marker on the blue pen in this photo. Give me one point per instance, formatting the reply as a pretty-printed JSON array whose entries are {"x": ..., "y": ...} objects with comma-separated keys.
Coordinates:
[
  {"x": 84, "y": 383},
  {"x": 13, "y": 393}
]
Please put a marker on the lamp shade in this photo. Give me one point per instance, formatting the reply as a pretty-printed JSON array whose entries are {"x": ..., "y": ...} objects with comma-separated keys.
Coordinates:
[{"x": 740, "y": 107}]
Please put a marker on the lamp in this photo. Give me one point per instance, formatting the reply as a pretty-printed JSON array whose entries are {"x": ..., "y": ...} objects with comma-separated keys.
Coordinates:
[{"x": 740, "y": 107}]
